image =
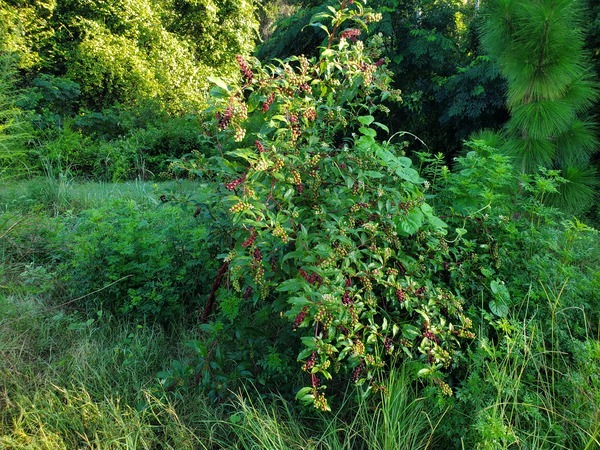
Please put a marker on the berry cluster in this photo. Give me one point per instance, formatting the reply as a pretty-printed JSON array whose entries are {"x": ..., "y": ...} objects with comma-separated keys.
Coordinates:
[
  {"x": 278, "y": 164},
  {"x": 295, "y": 128},
  {"x": 358, "y": 372},
  {"x": 324, "y": 317},
  {"x": 244, "y": 68},
  {"x": 235, "y": 183},
  {"x": 312, "y": 278},
  {"x": 320, "y": 402},
  {"x": 350, "y": 34},
  {"x": 346, "y": 299},
  {"x": 279, "y": 232},
  {"x": 248, "y": 242},
  {"x": 240, "y": 206},
  {"x": 297, "y": 178},
  {"x": 358, "y": 206},
  {"x": 300, "y": 318},
  {"x": 358, "y": 348},
  {"x": 400, "y": 295},
  {"x": 310, "y": 114},
  {"x": 420, "y": 292},
  {"x": 444, "y": 388},
  {"x": 432, "y": 337},
  {"x": 388, "y": 345},
  {"x": 225, "y": 118},
  {"x": 268, "y": 102},
  {"x": 259, "y": 146},
  {"x": 310, "y": 362}
]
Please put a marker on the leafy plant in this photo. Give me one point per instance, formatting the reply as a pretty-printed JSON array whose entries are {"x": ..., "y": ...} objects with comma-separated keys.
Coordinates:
[
  {"x": 139, "y": 261},
  {"x": 330, "y": 226}
]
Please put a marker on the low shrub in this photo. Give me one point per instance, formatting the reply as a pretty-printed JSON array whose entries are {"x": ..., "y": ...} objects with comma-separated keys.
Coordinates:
[{"x": 137, "y": 260}]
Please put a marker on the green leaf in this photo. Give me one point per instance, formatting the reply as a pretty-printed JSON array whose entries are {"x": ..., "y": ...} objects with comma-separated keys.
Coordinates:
[
  {"x": 220, "y": 83},
  {"x": 368, "y": 131},
  {"x": 410, "y": 332},
  {"x": 365, "y": 120},
  {"x": 253, "y": 101},
  {"x": 499, "y": 305},
  {"x": 437, "y": 223},
  {"x": 382, "y": 126},
  {"x": 305, "y": 394},
  {"x": 293, "y": 284},
  {"x": 371, "y": 174},
  {"x": 321, "y": 26},
  {"x": 304, "y": 353},
  {"x": 410, "y": 223},
  {"x": 309, "y": 342}
]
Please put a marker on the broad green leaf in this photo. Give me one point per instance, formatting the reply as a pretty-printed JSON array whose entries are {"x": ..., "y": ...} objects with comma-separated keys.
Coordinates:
[
  {"x": 365, "y": 120},
  {"x": 499, "y": 304},
  {"x": 218, "y": 82},
  {"x": 410, "y": 332},
  {"x": 410, "y": 223},
  {"x": 368, "y": 131},
  {"x": 371, "y": 174}
]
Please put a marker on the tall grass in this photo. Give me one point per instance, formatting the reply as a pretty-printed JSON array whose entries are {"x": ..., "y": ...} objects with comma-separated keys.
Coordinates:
[
  {"x": 67, "y": 382},
  {"x": 71, "y": 382},
  {"x": 56, "y": 196},
  {"x": 544, "y": 395},
  {"x": 395, "y": 418}
]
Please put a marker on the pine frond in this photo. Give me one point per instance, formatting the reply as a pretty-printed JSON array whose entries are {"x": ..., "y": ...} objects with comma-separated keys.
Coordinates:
[
  {"x": 542, "y": 119},
  {"x": 498, "y": 27},
  {"x": 528, "y": 82},
  {"x": 582, "y": 93},
  {"x": 577, "y": 144},
  {"x": 579, "y": 193},
  {"x": 489, "y": 138},
  {"x": 529, "y": 154}
]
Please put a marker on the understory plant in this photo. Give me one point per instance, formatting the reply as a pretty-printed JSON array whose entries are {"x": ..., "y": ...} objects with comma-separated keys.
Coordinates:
[
  {"x": 332, "y": 241},
  {"x": 529, "y": 275}
]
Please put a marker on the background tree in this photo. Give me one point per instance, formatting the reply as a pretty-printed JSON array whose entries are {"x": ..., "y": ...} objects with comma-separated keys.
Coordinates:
[
  {"x": 539, "y": 47},
  {"x": 132, "y": 51}
]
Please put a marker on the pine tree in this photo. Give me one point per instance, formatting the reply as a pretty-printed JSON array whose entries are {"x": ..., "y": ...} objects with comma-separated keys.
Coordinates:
[{"x": 539, "y": 47}]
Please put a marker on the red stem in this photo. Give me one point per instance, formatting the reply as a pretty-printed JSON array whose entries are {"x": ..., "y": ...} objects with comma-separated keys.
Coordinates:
[{"x": 211, "y": 297}]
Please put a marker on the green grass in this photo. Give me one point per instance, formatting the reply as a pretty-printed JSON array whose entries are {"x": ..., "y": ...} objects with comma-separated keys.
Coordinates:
[
  {"x": 70, "y": 382},
  {"x": 62, "y": 195}
]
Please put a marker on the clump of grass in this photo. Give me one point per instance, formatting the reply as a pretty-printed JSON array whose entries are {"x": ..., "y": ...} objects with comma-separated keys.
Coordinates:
[
  {"x": 71, "y": 382},
  {"x": 397, "y": 418},
  {"x": 56, "y": 196},
  {"x": 68, "y": 417}
]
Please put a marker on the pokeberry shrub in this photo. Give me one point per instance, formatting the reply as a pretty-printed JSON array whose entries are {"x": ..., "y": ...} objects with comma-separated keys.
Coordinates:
[{"x": 330, "y": 228}]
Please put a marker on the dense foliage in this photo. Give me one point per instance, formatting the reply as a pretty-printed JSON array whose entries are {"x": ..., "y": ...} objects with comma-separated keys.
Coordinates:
[
  {"x": 129, "y": 51},
  {"x": 433, "y": 53},
  {"x": 322, "y": 248},
  {"x": 95, "y": 76}
]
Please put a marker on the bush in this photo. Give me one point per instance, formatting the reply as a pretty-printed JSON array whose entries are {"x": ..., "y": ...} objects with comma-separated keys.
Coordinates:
[
  {"x": 331, "y": 229},
  {"x": 137, "y": 261}
]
